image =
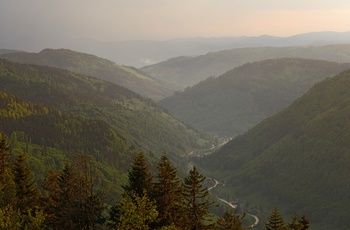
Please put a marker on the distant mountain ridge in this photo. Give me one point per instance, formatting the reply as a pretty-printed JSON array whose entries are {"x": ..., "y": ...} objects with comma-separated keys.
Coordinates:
[
  {"x": 187, "y": 71},
  {"x": 297, "y": 159},
  {"x": 91, "y": 65},
  {"x": 239, "y": 99},
  {"x": 140, "y": 53}
]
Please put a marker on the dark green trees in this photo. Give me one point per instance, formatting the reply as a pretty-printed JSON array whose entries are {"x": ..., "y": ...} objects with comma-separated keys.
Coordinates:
[
  {"x": 299, "y": 224},
  {"x": 276, "y": 221},
  {"x": 26, "y": 190},
  {"x": 230, "y": 221},
  {"x": 7, "y": 185},
  {"x": 196, "y": 202},
  {"x": 136, "y": 212},
  {"x": 136, "y": 196},
  {"x": 4, "y": 155},
  {"x": 167, "y": 193},
  {"x": 139, "y": 177},
  {"x": 73, "y": 202}
]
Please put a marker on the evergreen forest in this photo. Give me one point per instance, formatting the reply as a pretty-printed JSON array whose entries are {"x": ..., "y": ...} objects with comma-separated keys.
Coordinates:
[{"x": 86, "y": 143}]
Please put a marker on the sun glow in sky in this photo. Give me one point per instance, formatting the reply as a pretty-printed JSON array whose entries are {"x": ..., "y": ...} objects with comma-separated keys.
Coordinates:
[{"x": 113, "y": 20}]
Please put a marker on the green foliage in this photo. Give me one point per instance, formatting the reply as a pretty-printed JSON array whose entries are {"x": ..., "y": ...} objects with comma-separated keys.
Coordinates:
[
  {"x": 139, "y": 177},
  {"x": 196, "y": 200},
  {"x": 136, "y": 212},
  {"x": 73, "y": 201},
  {"x": 282, "y": 159},
  {"x": 72, "y": 103},
  {"x": 91, "y": 65},
  {"x": 230, "y": 221},
  {"x": 11, "y": 219},
  {"x": 26, "y": 190},
  {"x": 188, "y": 71},
  {"x": 167, "y": 194},
  {"x": 276, "y": 221},
  {"x": 239, "y": 99}
]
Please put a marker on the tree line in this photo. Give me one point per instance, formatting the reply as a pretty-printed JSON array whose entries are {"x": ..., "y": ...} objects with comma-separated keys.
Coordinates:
[{"x": 74, "y": 198}]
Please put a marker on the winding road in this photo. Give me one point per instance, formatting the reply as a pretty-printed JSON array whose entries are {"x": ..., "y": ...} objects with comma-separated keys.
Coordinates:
[{"x": 216, "y": 183}]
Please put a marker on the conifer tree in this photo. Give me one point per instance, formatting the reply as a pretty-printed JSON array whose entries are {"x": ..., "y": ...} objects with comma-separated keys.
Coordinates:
[
  {"x": 139, "y": 177},
  {"x": 4, "y": 155},
  {"x": 73, "y": 202},
  {"x": 136, "y": 212},
  {"x": 196, "y": 201},
  {"x": 7, "y": 185},
  {"x": 230, "y": 221},
  {"x": 304, "y": 223},
  {"x": 27, "y": 193},
  {"x": 167, "y": 193},
  {"x": 276, "y": 221}
]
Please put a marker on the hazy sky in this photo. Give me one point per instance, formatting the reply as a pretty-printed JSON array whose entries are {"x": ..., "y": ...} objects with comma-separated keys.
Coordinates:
[{"x": 111, "y": 20}]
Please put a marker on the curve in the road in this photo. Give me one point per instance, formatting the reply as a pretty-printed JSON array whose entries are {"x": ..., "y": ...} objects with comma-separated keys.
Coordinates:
[{"x": 216, "y": 183}]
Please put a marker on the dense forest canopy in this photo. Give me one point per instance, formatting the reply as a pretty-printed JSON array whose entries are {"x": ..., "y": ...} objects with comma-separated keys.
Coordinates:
[
  {"x": 296, "y": 159},
  {"x": 239, "y": 99}
]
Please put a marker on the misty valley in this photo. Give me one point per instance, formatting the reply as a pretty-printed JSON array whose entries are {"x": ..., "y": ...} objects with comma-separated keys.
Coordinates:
[{"x": 241, "y": 138}]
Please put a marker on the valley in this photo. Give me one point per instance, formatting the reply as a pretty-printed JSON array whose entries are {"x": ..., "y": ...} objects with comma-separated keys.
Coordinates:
[{"x": 268, "y": 128}]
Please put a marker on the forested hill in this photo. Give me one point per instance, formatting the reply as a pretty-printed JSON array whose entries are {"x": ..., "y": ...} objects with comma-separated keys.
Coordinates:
[
  {"x": 239, "y": 99},
  {"x": 91, "y": 65},
  {"x": 138, "y": 121},
  {"x": 298, "y": 159},
  {"x": 188, "y": 71}
]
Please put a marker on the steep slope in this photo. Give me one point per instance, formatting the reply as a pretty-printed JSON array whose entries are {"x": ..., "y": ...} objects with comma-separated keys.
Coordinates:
[
  {"x": 239, "y": 99},
  {"x": 137, "y": 120},
  {"x": 187, "y": 71},
  {"x": 50, "y": 137},
  {"x": 298, "y": 159},
  {"x": 91, "y": 65}
]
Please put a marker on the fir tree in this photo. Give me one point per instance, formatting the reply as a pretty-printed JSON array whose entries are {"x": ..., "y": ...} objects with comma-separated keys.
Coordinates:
[
  {"x": 304, "y": 223},
  {"x": 7, "y": 185},
  {"x": 276, "y": 221},
  {"x": 230, "y": 221},
  {"x": 139, "y": 177},
  {"x": 73, "y": 202},
  {"x": 4, "y": 155},
  {"x": 196, "y": 202},
  {"x": 27, "y": 193},
  {"x": 136, "y": 212},
  {"x": 167, "y": 193}
]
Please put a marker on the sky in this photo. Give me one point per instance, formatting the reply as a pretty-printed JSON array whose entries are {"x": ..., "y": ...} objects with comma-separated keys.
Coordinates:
[{"x": 116, "y": 20}]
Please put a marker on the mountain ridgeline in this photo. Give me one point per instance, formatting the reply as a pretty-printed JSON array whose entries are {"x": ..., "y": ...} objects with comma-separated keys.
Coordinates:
[
  {"x": 297, "y": 159},
  {"x": 239, "y": 99},
  {"x": 138, "y": 121},
  {"x": 187, "y": 71},
  {"x": 94, "y": 66}
]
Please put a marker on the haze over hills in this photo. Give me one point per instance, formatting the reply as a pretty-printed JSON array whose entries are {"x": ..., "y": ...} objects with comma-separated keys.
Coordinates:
[
  {"x": 297, "y": 159},
  {"x": 187, "y": 71},
  {"x": 137, "y": 120},
  {"x": 140, "y": 53},
  {"x": 239, "y": 99},
  {"x": 91, "y": 65}
]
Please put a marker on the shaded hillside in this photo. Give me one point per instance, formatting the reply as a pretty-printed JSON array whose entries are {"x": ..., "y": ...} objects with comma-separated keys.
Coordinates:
[
  {"x": 187, "y": 71},
  {"x": 51, "y": 128},
  {"x": 50, "y": 138},
  {"x": 244, "y": 96},
  {"x": 91, "y": 65},
  {"x": 137, "y": 120},
  {"x": 298, "y": 159}
]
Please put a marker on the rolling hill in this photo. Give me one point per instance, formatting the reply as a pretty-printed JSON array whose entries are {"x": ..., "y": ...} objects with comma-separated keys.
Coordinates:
[
  {"x": 188, "y": 71},
  {"x": 91, "y": 65},
  {"x": 298, "y": 159},
  {"x": 137, "y": 120},
  {"x": 239, "y": 99}
]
